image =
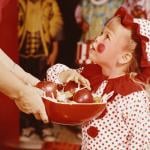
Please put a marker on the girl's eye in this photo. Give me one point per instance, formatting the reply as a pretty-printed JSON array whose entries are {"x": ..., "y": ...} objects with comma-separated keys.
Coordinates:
[
  {"x": 102, "y": 33},
  {"x": 92, "y": 47},
  {"x": 107, "y": 36}
]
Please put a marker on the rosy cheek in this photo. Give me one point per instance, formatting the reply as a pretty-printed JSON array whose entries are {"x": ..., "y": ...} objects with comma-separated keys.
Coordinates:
[{"x": 100, "y": 48}]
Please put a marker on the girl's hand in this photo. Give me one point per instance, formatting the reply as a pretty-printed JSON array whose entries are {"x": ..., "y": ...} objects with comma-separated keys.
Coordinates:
[{"x": 72, "y": 75}]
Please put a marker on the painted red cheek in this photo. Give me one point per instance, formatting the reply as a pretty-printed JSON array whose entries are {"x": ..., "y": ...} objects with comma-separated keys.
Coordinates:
[
  {"x": 100, "y": 48},
  {"x": 92, "y": 131}
]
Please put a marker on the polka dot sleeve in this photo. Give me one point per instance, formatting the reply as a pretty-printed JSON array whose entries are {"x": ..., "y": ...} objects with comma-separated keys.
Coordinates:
[
  {"x": 138, "y": 122},
  {"x": 53, "y": 72}
]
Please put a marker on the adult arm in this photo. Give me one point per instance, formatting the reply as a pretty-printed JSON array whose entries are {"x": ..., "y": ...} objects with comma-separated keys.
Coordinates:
[
  {"x": 27, "y": 98},
  {"x": 17, "y": 70}
]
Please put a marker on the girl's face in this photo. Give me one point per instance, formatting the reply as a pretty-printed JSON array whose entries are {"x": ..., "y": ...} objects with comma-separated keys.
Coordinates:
[{"x": 110, "y": 46}]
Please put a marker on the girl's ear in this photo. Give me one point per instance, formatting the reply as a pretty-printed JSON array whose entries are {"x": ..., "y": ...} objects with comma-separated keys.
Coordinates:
[{"x": 125, "y": 58}]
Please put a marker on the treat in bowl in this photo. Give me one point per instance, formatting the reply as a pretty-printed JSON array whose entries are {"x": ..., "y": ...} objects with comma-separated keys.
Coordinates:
[
  {"x": 72, "y": 107},
  {"x": 70, "y": 86},
  {"x": 50, "y": 88},
  {"x": 83, "y": 96}
]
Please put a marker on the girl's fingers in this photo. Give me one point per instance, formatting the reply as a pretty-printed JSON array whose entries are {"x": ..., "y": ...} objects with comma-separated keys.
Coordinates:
[
  {"x": 85, "y": 82},
  {"x": 76, "y": 79},
  {"x": 71, "y": 78},
  {"x": 79, "y": 79}
]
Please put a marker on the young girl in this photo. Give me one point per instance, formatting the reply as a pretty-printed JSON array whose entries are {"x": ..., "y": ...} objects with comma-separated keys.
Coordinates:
[{"x": 121, "y": 57}]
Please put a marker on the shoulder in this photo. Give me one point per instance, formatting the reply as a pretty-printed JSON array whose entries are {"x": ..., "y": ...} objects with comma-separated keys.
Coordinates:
[
  {"x": 139, "y": 96},
  {"x": 126, "y": 86},
  {"x": 138, "y": 101}
]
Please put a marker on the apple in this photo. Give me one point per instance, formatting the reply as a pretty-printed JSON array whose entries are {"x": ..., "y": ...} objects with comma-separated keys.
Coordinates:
[
  {"x": 70, "y": 86},
  {"x": 49, "y": 87},
  {"x": 83, "y": 96}
]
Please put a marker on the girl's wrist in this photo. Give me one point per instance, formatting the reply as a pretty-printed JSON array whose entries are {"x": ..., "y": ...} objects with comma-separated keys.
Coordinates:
[{"x": 63, "y": 76}]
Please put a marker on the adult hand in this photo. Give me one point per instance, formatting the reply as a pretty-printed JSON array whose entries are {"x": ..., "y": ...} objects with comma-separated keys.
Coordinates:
[
  {"x": 72, "y": 75},
  {"x": 30, "y": 79},
  {"x": 30, "y": 101}
]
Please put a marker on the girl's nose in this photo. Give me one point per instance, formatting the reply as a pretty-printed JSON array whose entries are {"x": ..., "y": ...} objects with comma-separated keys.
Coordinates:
[{"x": 94, "y": 45}]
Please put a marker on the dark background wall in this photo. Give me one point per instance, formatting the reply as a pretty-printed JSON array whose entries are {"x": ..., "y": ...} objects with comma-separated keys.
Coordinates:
[{"x": 71, "y": 33}]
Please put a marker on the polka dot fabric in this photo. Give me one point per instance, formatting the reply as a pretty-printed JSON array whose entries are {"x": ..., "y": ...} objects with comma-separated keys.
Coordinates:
[
  {"x": 125, "y": 126},
  {"x": 145, "y": 30},
  {"x": 52, "y": 73}
]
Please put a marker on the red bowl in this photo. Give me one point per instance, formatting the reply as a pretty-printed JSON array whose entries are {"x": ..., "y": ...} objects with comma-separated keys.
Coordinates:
[{"x": 72, "y": 113}]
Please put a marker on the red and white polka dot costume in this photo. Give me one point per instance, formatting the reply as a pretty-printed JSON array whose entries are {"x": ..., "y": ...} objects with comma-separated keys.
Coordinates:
[{"x": 126, "y": 123}]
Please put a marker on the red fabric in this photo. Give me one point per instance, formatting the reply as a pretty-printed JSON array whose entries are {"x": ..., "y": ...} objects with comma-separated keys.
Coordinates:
[
  {"x": 9, "y": 115},
  {"x": 92, "y": 131},
  {"x": 144, "y": 75},
  {"x": 127, "y": 21},
  {"x": 3, "y": 3},
  {"x": 8, "y": 28},
  {"x": 94, "y": 74}
]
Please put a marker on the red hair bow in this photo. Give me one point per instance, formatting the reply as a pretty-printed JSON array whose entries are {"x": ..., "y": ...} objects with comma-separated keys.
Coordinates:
[{"x": 141, "y": 40}]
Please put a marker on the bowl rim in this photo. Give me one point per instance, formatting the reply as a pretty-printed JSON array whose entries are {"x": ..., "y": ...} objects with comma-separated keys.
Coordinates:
[{"x": 74, "y": 103}]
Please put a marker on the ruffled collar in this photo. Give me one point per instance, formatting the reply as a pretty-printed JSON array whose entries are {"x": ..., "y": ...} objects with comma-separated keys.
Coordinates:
[{"x": 122, "y": 85}]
